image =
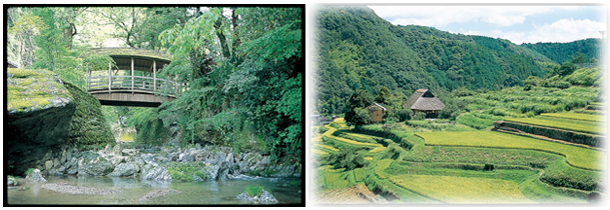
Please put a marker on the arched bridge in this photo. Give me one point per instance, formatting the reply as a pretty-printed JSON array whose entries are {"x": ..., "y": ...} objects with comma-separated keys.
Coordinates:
[{"x": 133, "y": 80}]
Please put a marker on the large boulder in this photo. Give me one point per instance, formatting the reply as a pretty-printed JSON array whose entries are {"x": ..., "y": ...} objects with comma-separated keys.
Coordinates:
[
  {"x": 35, "y": 176},
  {"x": 131, "y": 152},
  {"x": 157, "y": 173},
  {"x": 39, "y": 111},
  {"x": 125, "y": 169},
  {"x": 211, "y": 171},
  {"x": 264, "y": 197},
  {"x": 96, "y": 167},
  {"x": 12, "y": 181}
]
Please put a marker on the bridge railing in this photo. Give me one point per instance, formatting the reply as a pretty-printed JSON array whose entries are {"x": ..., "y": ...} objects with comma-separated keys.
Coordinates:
[{"x": 139, "y": 84}]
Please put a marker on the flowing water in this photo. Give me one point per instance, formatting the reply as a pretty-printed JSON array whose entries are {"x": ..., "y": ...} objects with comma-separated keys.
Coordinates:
[{"x": 197, "y": 193}]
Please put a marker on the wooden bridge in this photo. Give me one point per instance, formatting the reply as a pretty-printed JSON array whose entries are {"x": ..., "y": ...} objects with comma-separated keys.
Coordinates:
[{"x": 115, "y": 88}]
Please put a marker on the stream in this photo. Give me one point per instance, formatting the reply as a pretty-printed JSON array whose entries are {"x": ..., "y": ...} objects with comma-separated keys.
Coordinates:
[{"x": 196, "y": 193}]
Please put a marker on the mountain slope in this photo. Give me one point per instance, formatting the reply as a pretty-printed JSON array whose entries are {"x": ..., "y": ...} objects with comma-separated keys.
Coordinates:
[
  {"x": 561, "y": 52},
  {"x": 356, "y": 49}
]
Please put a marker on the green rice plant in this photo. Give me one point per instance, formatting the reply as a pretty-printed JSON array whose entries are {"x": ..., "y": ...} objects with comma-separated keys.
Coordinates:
[
  {"x": 381, "y": 165},
  {"x": 576, "y": 116},
  {"x": 563, "y": 175},
  {"x": 359, "y": 174},
  {"x": 582, "y": 126},
  {"x": 377, "y": 150},
  {"x": 538, "y": 191},
  {"x": 451, "y": 189},
  {"x": 327, "y": 147},
  {"x": 389, "y": 189},
  {"x": 575, "y": 156},
  {"x": 475, "y": 122},
  {"x": 315, "y": 151},
  {"x": 334, "y": 179}
]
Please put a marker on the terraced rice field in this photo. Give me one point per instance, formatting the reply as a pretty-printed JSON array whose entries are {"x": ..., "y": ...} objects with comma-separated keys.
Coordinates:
[
  {"x": 562, "y": 123},
  {"x": 452, "y": 189},
  {"x": 576, "y": 116},
  {"x": 575, "y": 156}
]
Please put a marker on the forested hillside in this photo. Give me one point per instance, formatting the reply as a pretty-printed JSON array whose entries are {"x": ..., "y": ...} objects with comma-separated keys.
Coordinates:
[
  {"x": 561, "y": 52},
  {"x": 356, "y": 49}
]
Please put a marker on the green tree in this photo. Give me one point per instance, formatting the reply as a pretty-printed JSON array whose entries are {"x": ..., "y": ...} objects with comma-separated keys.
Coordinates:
[
  {"x": 383, "y": 96},
  {"x": 359, "y": 100},
  {"x": 248, "y": 64},
  {"x": 579, "y": 58}
]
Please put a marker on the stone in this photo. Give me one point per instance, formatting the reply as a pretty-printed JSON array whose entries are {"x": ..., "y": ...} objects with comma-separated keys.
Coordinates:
[
  {"x": 157, "y": 173},
  {"x": 229, "y": 158},
  {"x": 131, "y": 152},
  {"x": 252, "y": 158},
  {"x": 116, "y": 160},
  {"x": 56, "y": 162},
  {"x": 265, "y": 197},
  {"x": 125, "y": 169},
  {"x": 89, "y": 155},
  {"x": 62, "y": 169},
  {"x": 108, "y": 149},
  {"x": 116, "y": 150},
  {"x": 35, "y": 176},
  {"x": 12, "y": 181},
  {"x": 149, "y": 159},
  {"x": 48, "y": 165},
  {"x": 220, "y": 156},
  {"x": 211, "y": 171},
  {"x": 97, "y": 167},
  {"x": 186, "y": 158},
  {"x": 64, "y": 156}
]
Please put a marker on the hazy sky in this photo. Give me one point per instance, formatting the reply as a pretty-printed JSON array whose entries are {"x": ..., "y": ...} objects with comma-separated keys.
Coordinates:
[{"x": 519, "y": 24}]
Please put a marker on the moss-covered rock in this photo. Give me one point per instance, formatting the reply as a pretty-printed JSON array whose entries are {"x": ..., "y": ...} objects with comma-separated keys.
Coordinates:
[
  {"x": 88, "y": 125},
  {"x": 39, "y": 111},
  {"x": 30, "y": 90}
]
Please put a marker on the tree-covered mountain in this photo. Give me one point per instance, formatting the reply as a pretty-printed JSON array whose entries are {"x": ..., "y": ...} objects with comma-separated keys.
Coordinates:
[
  {"x": 561, "y": 52},
  {"x": 356, "y": 49}
]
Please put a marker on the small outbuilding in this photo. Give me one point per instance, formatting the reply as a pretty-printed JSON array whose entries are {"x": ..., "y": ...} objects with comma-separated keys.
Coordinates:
[
  {"x": 376, "y": 110},
  {"x": 424, "y": 101}
]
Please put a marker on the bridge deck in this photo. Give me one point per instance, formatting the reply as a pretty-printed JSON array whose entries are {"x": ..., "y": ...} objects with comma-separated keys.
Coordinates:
[{"x": 132, "y": 91}]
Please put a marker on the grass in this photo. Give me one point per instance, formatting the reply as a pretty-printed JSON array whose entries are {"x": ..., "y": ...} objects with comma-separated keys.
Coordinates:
[
  {"x": 253, "y": 190},
  {"x": 476, "y": 122},
  {"x": 451, "y": 189},
  {"x": 576, "y": 116},
  {"x": 575, "y": 156},
  {"x": 580, "y": 125}
]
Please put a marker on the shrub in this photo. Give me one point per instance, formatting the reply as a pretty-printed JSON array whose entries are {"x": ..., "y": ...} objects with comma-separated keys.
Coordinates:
[
  {"x": 254, "y": 190},
  {"x": 419, "y": 116}
]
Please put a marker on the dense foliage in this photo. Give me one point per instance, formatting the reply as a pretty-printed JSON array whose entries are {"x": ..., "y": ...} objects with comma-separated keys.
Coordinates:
[
  {"x": 244, "y": 73},
  {"x": 562, "y": 52}
]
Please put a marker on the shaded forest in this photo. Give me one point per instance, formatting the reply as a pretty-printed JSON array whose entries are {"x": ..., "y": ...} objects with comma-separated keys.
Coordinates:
[{"x": 243, "y": 67}]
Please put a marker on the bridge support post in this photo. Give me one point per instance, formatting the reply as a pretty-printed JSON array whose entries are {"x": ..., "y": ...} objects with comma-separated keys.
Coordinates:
[
  {"x": 132, "y": 81},
  {"x": 109, "y": 74},
  {"x": 155, "y": 77}
]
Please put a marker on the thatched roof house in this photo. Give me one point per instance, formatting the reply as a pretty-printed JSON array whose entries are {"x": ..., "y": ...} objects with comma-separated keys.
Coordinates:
[
  {"x": 424, "y": 101},
  {"x": 376, "y": 110}
]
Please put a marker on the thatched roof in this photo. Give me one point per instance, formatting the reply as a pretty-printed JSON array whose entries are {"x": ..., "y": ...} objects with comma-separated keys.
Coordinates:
[
  {"x": 143, "y": 59},
  {"x": 376, "y": 105},
  {"x": 423, "y": 99}
]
